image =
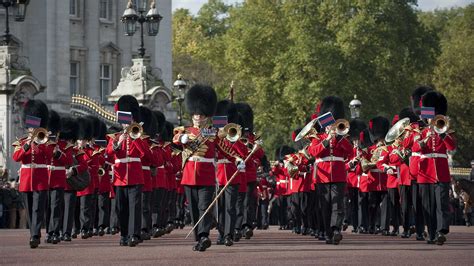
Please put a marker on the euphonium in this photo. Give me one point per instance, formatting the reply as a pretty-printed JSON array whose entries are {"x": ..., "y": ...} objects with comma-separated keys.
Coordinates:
[
  {"x": 40, "y": 135},
  {"x": 232, "y": 132},
  {"x": 440, "y": 124},
  {"x": 101, "y": 171},
  {"x": 135, "y": 130},
  {"x": 341, "y": 127}
]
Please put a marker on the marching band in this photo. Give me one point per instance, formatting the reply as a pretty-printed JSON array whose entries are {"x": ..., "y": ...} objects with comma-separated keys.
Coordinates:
[{"x": 86, "y": 180}]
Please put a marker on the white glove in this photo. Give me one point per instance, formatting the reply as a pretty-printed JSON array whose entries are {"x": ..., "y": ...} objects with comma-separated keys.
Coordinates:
[
  {"x": 240, "y": 164},
  {"x": 69, "y": 172},
  {"x": 184, "y": 138},
  {"x": 390, "y": 171}
]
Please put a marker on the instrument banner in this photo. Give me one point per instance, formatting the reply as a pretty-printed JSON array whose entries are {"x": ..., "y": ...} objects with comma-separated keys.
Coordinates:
[
  {"x": 124, "y": 117},
  {"x": 427, "y": 112},
  {"x": 32, "y": 121},
  {"x": 326, "y": 119},
  {"x": 219, "y": 121}
]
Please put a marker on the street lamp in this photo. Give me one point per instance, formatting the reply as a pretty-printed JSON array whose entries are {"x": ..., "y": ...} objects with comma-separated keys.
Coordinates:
[
  {"x": 130, "y": 19},
  {"x": 19, "y": 15},
  {"x": 180, "y": 91},
  {"x": 355, "y": 105}
]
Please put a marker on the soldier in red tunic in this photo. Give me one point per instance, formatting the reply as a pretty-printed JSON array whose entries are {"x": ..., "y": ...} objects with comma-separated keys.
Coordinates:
[
  {"x": 104, "y": 187},
  {"x": 128, "y": 149},
  {"x": 282, "y": 178},
  {"x": 331, "y": 152},
  {"x": 433, "y": 175},
  {"x": 365, "y": 156}
]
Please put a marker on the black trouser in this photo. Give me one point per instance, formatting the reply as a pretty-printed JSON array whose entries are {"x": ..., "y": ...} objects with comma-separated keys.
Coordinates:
[
  {"x": 158, "y": 207},
  {"x": 332, "y": 203},
  {"x": 364, "y": 210},
  {"x": 378, "y": 210},
  {"x": 171, "y": 206},
  {"x": 417, "y": 208},
  {"x": 146, "y": 211},
  {"x": 311, "y": 210},
  {"x": 352, "y": 207},
  {"x": 264, "y": 212},
  {"x": 35, "y": 204},
  {"x": 114, "y": 220},
  {"x": 104, "y": 210},
  {"x": 239, "y": 207},
  {"x": 250, "y": 205},
  {"x": 405, "y": 206},
  {"x": 129, "y": 199},
  {"x": 87, "y": 212},
  {"x": 77, "y": 216},
  {"x": 227, "y": 212},
  {"x": 56, "y": 200},
  {"x": 393, "y": 207},
  {"x": 282, "y": 209},
  {"x": 180, "y": 207},
  {"x": 70, "y": 199},
  {"x": 435, "y": 200},
  {"x": 295, "y": 209},
  {"x": 199, "y": 199}
]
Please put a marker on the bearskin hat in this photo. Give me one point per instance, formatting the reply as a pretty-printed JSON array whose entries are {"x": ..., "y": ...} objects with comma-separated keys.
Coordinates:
[
  {"x": 228, "y": 108},
  {"x": 246, "y": 115},
  {"x": 69, "y": 128},
  {"x": 407, "y": 112},
  {"x": 364, "y": 139},
  {"x": 332, "y": 104},
  {"x": 395, "y": 119},
  {"x": 416, "y": 97},
  {"x": 36, "y": 108},
  {"x": 356, "y": 126},
  {"x": 128, "y": 103},
  {"x": 86, "y": 131},
  {"x": 54, "y": 122},
  {"x": 150, "y": 124},
  {"x": 96, "y": 124},
  {"x": 280, "y": 152},
  {"x": 437, "y": 100},
  {"x": 160, "y": 120},
  {"x": 102, "y": 131},
  {"x": 167, "y": 133},
  {"x": 201, "y": 100},
  {"x": 378, "y": 128}
]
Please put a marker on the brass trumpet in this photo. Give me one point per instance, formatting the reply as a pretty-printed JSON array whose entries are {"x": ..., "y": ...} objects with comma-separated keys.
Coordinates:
[
  {"x": 232, "y": 132},
  {"x": 101, "y": 171},
  {"x": 341, "y": 127},
  {"x": 40, "y": 135},
  {"x": 440, "y": 124},
  {"x": 134, "y": 130}
]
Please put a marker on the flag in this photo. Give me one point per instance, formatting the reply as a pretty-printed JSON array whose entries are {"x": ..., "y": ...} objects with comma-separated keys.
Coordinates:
[
  {"x": 427, "y": 112},
  {"x": 32, "y": 121},
  {"x": 219, "y": 121},
  {"x": 124, "y": 117},
  {"x": 326, "y": 119}
]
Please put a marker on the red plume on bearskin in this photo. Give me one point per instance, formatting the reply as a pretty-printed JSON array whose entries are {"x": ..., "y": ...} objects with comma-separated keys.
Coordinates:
[
  {"x": 364, "y": 139},
  {"x": 395, "y": 119},
  {"x": 437, "y": 100}
]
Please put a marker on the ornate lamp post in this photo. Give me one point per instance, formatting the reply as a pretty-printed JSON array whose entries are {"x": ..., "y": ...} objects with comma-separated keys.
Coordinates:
[
  {"x": 355, "y": 106},
  {"x": 20, "y": 14},
  {"x": 130, "y": 18},
  {"x": 180, "y": 91}
]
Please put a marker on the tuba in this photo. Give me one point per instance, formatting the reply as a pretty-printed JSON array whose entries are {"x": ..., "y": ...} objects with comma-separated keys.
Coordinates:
[
  {"x": 134, "y": 130},
  {"x": 440, "y": 124},
  {"x": 307, "y": 130},
  {"x": 40, "y": 135},
  {"x": 397, "y": 130},
  {"x": 232, "y": 132}
]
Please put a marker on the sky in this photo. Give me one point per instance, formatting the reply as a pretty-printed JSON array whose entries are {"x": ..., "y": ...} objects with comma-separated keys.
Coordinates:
[{"x": 425, "y": 5}]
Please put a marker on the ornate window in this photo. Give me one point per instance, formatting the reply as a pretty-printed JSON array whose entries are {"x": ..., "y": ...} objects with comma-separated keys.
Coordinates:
[
  {"x": 74, "y": 8},
  {"x": 105, "y": 81},
  {"x": 74, "y": 77}
]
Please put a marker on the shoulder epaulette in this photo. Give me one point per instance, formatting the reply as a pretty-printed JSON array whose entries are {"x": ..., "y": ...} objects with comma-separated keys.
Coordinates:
[
  {"x": 68, "y": 146},
  {"x": 80, "y": 152}
]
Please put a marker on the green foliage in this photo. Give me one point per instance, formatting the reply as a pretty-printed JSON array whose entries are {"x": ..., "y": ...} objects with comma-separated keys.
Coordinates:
[{"x": 284, "y": 56}]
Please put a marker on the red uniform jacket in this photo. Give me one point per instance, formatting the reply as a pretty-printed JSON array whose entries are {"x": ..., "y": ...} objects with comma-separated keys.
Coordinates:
[
  {"x": 434, "y": 166},
  {"x": 353, "y": 174},
  {"x": 408, "y": 143},
  {"x": 330, "y": 158},
  {"x": 105, "y": 181},
  {"x": 262, "y": 188},
  {"x": 81, "y": 166},
  {"x": 364, "y": 176},
  {"x": 95, "y": 160},
  {"x": 57, "y": 169},
  {"x": 33, "y": 172},
  {"x": 199, "y": 169},
  {"x": 170, "y": 168},
  {"x": 377, "y": 179},
  {"x": 147, "y": 163},
  {"x": 226, "y": 165},
  {"x": 158, "y": 156},
  {"x": 252, "y": 164},
  {"x": 282, "y": 180},
  {"x": 403, "y": 171},
  {"x": 384, "y": 165}
]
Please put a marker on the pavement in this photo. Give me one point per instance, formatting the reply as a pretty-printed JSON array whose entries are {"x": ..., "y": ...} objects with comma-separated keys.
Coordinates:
[{"x": 269, "y": 247}]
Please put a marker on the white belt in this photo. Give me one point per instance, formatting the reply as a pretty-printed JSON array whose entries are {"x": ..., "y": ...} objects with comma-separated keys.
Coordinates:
[
  {"x": 34, "y": 166},
  {"x": 128, "y": 160},
  {"x": 55, "y": 168},
  {"x": 434, "y": 155},
  {"x": 146, "y": 168},
  {"x": 223, "y": 161},
  {"x": 375, "y": 171},
  {"x": 201, "y": 159},
  {"x": 415, "y": 154},
  {"x": 330, "y": 159},
  {"x": 162, "y": 167},
  {"x": 283, "y": 181}
]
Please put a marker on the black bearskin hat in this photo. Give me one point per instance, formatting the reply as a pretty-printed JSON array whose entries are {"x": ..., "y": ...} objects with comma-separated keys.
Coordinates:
[
  {"x": 54, "y": 122},
  {"x": 364, "y": 139},
  {"x": 149, "y": 121},
  {"x": 356, "y": 126},
  {"x": 416, "y": 97},
  {"x": 86, "y": 131},
  {"x": 69, "y": 129},
  {"x": 246, "y": 115},
  {"x": 95, "y": 126},
  {"x": 128, "y": 103},
  {"x": 280, "y": 152},
  {"x": 378, "y": 128},
  {"x": 102, "y": 131},
  {"x": 36, "y": 108},
  {"x": 332, "y": 104},
  {"x": 228, "y": 108},
  {"x": 201, "y": 100},
  {"x": 160, "y": 120},
  {"x": 407, "y": 112},
  {"x": 167, "y": 133},
  {"x": 436, "y": 100}
]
